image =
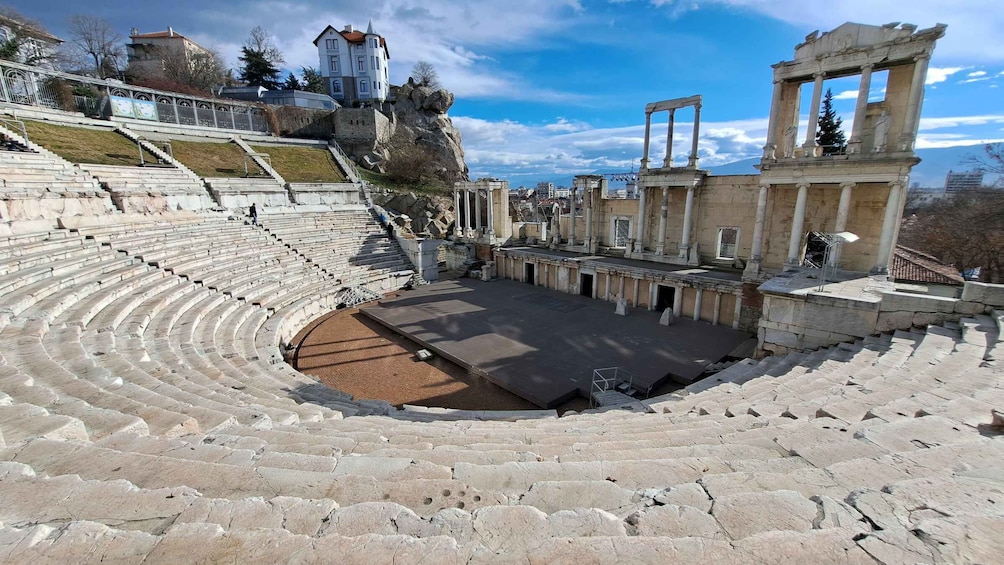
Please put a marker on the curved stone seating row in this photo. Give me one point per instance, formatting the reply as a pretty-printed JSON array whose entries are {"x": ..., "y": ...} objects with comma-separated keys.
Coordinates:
[
  {"x": 155, "y": 409},
  {"x": 151, "y": 189},
  {"x": 348, "y": 243},
  {"x": 240, "y": 192}
]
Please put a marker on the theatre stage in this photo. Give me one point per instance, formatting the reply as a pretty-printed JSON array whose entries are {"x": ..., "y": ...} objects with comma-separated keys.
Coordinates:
[{"x": 543, "y": 345}]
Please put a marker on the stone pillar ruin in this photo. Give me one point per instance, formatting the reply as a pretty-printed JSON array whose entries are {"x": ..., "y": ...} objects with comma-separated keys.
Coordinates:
[
  {"x": 639, "y": 244},
  {"x": 571, "y": 234},
  {"x": 668, "y": 161},
  {"x": 797, "y": 225},
  {"x": 889, "y": 228},
  {"x": 491, "y": 215},
  {"x": 756, "y": 251},
  {"x": 587, "y": 198},
  {"x": 477, "y": 211},
  {"x": 770, "y": 148},
  {"x": 678, "y": 301},
  {"x": 692, "y": 160},
  {"x": 688, "y": 216},
  {"x": 457, "y": 234},
  {"x": 843, "y": 210},
  {"x": 467, "y": 212},
  {"x": 697, "y": 304},
  {"x": 860, "y": 109},
  {"x": 810, "y": 135},
  {"x": 906, "y": 139},
  {"x": 660, "y": 244},
  {"x": 737, "y": 312},
  {"x": 648, "y": 131},
  {"x": 718, "y": 309}
]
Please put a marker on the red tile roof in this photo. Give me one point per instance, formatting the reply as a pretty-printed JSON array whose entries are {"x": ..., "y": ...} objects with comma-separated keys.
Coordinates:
[
  {"x": 910, "y": 265},
  {"x": 158, "y": 35}
]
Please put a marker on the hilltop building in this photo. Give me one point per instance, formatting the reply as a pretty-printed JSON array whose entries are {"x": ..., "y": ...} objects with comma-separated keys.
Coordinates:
[
  {"x": 147, "y": 51},
  {"x": 36, "y": 46},
  {"x": 354, "y": 65},
  {"x": 965, "y": 180}
]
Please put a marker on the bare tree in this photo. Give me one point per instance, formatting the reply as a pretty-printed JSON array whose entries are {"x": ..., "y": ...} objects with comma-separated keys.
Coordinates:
[
  {"x": 197, "y": 71},
  {"x": 424, "y": 74},
  {"x": 991, "y": 161},
  {"x": 95, "y": 39},
  {"x": 19, "y": 44}
]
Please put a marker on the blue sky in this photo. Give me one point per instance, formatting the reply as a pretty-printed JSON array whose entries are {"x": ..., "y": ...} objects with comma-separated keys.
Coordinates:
[{"x": 548, "y": 89}]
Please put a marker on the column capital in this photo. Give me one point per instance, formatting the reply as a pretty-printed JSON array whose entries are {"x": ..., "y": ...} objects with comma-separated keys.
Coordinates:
[
  {"x": 803, "y": 184},
  {"x": 922, "y": 56},
  {"x": 869, "y": 66},
  {"x": 895, "y": 184},
  {"x": 848, "y": 184},
  {"x": 697, "y": 107},
  {"x": 765, "y": 185},
  {"x": 818, "y": 75}
]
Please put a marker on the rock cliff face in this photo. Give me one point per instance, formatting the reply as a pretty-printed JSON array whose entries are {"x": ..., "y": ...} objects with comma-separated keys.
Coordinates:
[
  {"x": 431, "y": 216},
  {"x": 421, "y": 120}
]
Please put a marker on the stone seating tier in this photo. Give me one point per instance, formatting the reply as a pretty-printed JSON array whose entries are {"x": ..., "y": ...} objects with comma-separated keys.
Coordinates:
[{"x": 146, "y": 415}]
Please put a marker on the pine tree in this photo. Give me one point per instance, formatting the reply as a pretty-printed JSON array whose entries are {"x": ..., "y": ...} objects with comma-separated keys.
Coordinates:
[
  {"x": 828, "y": 133},
  {"x": 260, "y": 60},
  {"x": 312, "y": 80},
  {"x": 292, "y": 83}
]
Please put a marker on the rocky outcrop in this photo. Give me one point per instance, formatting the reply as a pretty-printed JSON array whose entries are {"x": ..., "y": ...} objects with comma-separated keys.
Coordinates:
[
  {"x": 420, "y": 113},
  {"x": 431, "y": 216}
]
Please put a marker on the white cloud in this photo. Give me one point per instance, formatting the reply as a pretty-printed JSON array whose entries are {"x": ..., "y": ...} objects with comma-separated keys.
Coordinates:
[
  {"x": 976, "y": 74},
  {"x": 846, "y": 95},
  {"x": 973, "y": 25},
  {"x": 927, "y": 124},
  {"x": 941, "y": 74}
]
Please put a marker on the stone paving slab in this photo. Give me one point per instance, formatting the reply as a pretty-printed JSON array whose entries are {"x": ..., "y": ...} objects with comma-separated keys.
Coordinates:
[{"x": 543, "y": 345}]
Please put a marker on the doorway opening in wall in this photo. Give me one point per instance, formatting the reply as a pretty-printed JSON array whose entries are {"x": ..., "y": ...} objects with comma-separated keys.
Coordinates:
[
  {"x": 622, "y": 231},
  {"x": 815, "y": 250},
  {"x": 530, "y": 271},
  {"x": 664, "y": 297},
  {"x": 586, "y": 285}
]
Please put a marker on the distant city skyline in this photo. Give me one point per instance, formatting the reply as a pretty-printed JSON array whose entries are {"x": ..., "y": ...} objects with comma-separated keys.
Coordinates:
[{"x": 549, "y": 90}]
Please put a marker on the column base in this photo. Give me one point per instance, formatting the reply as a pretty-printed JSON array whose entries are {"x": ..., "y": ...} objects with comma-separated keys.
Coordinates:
[
  {"x": 880, "y": 271},
  {"x": 638, "y": 248},
  {"x": 660, "y": 250},
  {"x": 752, "y": 269}
]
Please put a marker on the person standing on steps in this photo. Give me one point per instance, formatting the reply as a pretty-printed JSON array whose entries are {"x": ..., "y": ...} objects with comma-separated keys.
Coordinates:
[{"x": 253, "y": 212}]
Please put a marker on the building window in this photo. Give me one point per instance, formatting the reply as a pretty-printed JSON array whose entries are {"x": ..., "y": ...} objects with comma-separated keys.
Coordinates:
[
  {"x": 336, "y": 86},
  {"x": 331, "y": 44},
  {"x": 728, "y": 242},
  {"x": 333, "y": 61},
  {"x": 361, "y": 64},
  {"x": 364, "y": 87},
  {"x": 360, "y": 47},
  {"x": 373, "y": 43},
  {"x": 372, "y": 62}
]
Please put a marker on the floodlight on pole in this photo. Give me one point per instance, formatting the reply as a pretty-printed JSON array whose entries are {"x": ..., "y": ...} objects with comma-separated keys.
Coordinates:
[{"x": 833, "y": 242}]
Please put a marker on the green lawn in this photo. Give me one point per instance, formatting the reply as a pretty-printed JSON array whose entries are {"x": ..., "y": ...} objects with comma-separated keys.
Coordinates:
[
  {"x": 303, "y": 164},
  {"x": 85, "y": 145},
  {"x": 214, "y": 159}
]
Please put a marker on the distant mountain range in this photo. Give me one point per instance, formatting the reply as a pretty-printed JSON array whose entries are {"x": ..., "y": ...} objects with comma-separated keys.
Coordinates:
[{"x": 930, "y": 173}]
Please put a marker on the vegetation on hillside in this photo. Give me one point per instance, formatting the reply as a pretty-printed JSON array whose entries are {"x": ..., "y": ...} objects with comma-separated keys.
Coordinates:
[
  {"x": 303, "y": 164},
  {"x": 86, "y": 145},
  {"x": 214, "y": 159}
]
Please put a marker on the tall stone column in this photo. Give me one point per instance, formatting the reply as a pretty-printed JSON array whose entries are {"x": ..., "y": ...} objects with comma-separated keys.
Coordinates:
[
  {"x": 697, "y": 304},
  {"x": 634, "y": 300},
  {"x": 843, "y": 210},
  {"x": 797, "y": 226},
  {"x": 718, "y": 309},
  {"x": 909, "y": 134},
  {"x": 692, "y": 160},
  {"x": 606, "y": 287},
  {"x": 756, "y": 252},
  {"x": 770, "y": 148},
  {"x": 678, "y": 301},
  {"x": 639, "y": 244},
  {"x": 571, "y": 235},
  {"x": 688, "y": 213},
  {"x": 457, "y": 234},
  {"x": 860, "y": 108},
  {"x": 668, "y": 161},
  {"x": 477, "y": 211},
  {"x": 467, "y": 213},
  {"x": 491, "y": 215},
  {"x": 738, "y": 311},
  {"x": 810, "y": 135},
  {"x": 587, "y": 197},
  {"x": 888, "y": 229},
  {"x": 660, "y": 245},
  {"x": 648, "y": 132}
]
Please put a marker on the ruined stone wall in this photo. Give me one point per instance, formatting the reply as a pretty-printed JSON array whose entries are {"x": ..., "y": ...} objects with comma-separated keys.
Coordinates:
[{"x": 725, "y": 202}]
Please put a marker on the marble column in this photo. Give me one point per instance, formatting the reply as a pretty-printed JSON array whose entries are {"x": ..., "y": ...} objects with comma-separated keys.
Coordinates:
[
  {"x": 491, "y": 216},
  {"x": 692, "y": 160},
  {"x": 634, "y": 301},
  {"x": 606, "y": 287},
  {"x": 467, "y": 213},
  {"x": 678, "y": 301},
  {"x": 697, "y": 304},
  {"x": 797, "y": 226},
  {"x": 688, "y": 216},
  {"x": 456, "y": 214},
  {"x": 639, "y": 244},
  {"x": 810, "y": 134},
  {"x": 653, "y": 291},
  {"x": 843, "y": 211},
  {"x": 668, "y": 161},
  {"x": 718, "y": 309},
  {"x": 860, "y": 109},
  {"x": 620, "y": 288},
  {"x": 770, "y": 148},
  {"x": 477, "y": 212},
  {"x": 756, "y": 252},
  {"x": 907, "y": 137},
  {"x": 587, "y": 197},
  {"x": 648, "y": 131},
  {"x": 660, "y": 244},
  {"x": 888, "y": 229},
  {"x": 571, "y": 235},
  {"x": 738, "y": 311}
]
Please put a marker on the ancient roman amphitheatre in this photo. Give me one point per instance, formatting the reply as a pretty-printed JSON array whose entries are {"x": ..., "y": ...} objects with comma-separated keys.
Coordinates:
[{"x": 829, "y": 412}]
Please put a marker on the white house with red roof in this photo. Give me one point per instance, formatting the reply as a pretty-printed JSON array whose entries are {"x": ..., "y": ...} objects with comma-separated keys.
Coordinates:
[{"x": 354, "y": 65}]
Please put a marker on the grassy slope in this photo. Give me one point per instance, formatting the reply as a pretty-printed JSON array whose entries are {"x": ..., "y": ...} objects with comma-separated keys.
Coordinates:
[
  {"x": 84, "y": 145},
  {"x": 214, "y": 159},
  {"x": 303, "y": 164}
]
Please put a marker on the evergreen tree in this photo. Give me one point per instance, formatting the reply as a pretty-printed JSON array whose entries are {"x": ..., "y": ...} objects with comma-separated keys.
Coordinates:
[
  {"x": 292, "y": 83},
  {"x": 828, "y": 133},
  {"x": 260, "y": 60},
  {"x": 312, "y": 80}
]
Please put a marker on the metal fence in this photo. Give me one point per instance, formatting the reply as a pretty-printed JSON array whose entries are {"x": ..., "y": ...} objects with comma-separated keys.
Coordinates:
[{"x": 34, "y": 86}]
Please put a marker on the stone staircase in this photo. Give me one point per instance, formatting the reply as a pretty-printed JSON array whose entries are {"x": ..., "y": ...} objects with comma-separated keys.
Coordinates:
[{"x": 145, "y": 416}]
